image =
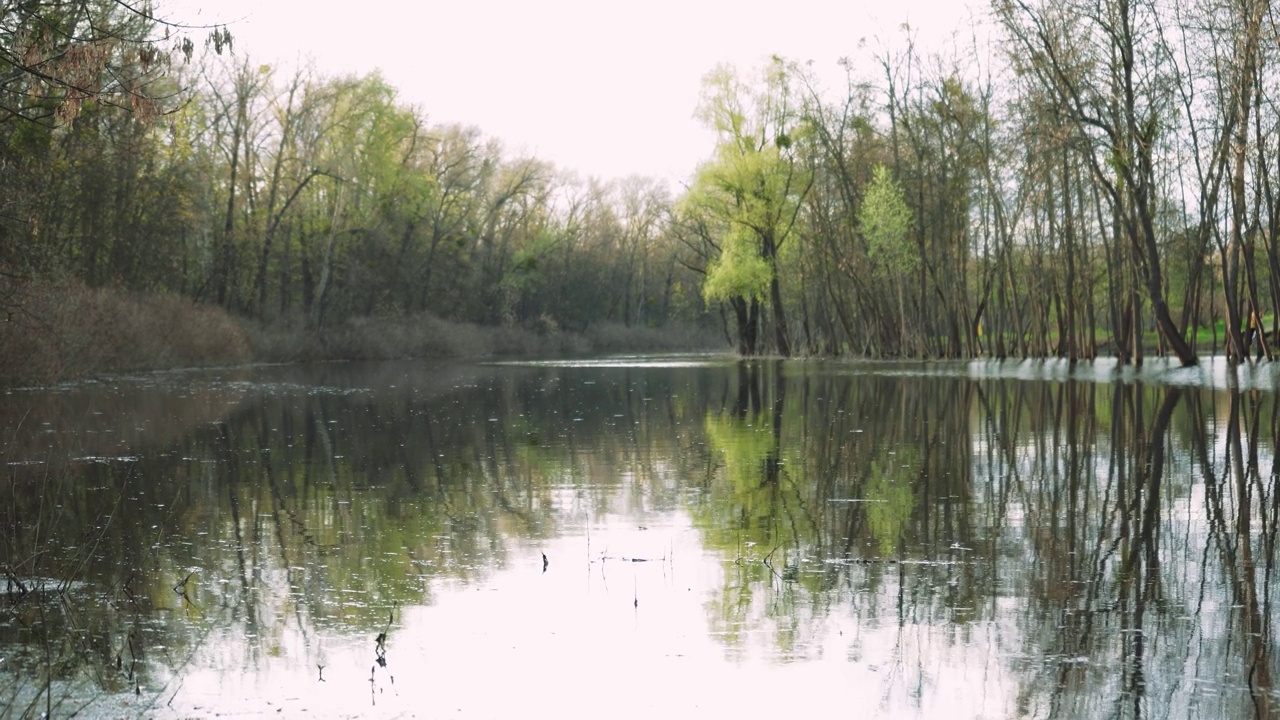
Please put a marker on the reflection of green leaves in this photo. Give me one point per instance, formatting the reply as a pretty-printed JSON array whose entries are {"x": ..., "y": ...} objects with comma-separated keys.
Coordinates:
[
  {"x": 740, "y": 520},
  {"x": 743, "y": 447},
  {"x": 890, "y": 499}
]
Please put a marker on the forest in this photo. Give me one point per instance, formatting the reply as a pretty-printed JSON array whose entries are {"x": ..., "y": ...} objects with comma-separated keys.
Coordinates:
[{"x": 1069, "y": 178}]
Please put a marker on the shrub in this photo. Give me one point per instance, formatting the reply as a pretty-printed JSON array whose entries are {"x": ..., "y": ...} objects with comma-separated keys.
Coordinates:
[
  {"x": 426, "y": 336},
  {"x": 64, "y": 331},
  {"x": 59, "y": 331}
]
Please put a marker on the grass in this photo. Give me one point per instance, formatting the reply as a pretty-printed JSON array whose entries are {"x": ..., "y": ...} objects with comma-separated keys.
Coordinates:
[{"x": 1204, "y": 341}]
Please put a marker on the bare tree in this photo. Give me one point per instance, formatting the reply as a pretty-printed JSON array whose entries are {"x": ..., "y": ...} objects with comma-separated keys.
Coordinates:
[{"x": 1103, "y": 63}]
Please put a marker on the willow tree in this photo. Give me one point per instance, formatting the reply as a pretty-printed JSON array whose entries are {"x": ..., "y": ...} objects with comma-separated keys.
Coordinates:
[{"x": 754, "y": 185}]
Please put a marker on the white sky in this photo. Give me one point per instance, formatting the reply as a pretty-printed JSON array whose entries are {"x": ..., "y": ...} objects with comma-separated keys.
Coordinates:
[{"x": 603, "y": 87}]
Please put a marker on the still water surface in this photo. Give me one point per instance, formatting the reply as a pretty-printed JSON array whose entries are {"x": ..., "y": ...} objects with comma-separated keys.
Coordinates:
[{"x": 642, "y": 538}]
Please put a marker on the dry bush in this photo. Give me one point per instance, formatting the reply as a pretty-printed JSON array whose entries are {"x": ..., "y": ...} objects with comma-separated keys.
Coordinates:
[
  {"x": 425, "y": 336},
  {"x": 389, "y": 338},
  {"x": 608, "y": 338},
  {"x": 420, "y": 336},
  {"x": 285, "y": 340},
  {"x": 64, "y": 331}
]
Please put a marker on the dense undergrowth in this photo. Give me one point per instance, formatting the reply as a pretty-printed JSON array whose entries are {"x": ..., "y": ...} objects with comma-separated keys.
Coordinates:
[
  {"x": 426, "y": 336},
  {"x": 67, "y": 331},
  {"x": 58, "y": 332}
]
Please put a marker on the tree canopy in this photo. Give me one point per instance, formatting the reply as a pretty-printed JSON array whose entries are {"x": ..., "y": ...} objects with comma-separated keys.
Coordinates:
[{"x": 1096, "y": 181}]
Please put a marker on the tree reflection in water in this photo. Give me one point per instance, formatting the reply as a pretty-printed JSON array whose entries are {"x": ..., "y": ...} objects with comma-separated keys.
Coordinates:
[{"x": 938, "y": 538}]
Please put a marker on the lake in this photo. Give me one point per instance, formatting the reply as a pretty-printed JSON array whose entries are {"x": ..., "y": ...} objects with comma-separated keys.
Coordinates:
[{"x": 640, "y": 537}]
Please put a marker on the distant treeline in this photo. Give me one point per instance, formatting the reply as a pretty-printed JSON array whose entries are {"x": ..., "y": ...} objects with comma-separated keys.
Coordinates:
[{"x": 1095, "y": 181}]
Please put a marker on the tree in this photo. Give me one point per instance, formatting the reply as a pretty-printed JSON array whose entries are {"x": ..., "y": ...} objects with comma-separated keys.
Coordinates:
[
  {"x": 885, "y": 221},
  {"x": 1103, "y": 63},
  {"x": 58, "y": 55},
  {"x": 237, "y": 120},
  {"x": 755, "y": 184}
]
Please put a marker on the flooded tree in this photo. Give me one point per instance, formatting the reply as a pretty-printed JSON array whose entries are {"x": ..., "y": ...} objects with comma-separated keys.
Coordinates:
[
  {"x": 885, "y": 222},
  {"x": 754, "y": 188}
]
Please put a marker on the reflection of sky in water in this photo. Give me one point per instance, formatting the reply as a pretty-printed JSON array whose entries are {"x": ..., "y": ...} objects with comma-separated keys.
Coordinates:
[
  {"x": 438, "y": 488},
  {"x": 689, "y": 360},
  {"x": 1212, "y": 372},
  {"x": 602, "y": 635}
]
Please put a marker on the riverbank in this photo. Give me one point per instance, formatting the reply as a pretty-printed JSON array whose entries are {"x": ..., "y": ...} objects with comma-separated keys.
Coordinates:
[
  {"x": 68, "y": 331},
  {"x": 426, "y": 336},
  {"x": 65, "y": 332}
]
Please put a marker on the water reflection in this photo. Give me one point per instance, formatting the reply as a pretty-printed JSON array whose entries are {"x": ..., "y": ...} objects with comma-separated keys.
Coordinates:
[{"x": 911, "y": 541}]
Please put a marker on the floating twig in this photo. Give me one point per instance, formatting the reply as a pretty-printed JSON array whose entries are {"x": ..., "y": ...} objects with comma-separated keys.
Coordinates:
[{"x": 181, "y": 589}]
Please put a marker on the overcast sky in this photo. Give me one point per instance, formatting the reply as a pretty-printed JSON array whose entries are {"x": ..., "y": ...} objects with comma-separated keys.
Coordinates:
[{"x": 603, "y": 87}]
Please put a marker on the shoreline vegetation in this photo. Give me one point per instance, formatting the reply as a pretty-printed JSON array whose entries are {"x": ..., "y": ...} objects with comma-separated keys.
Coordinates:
[
  {"x": 61, "y": 332},
  {"x": 65, "y": 332},
  {"x": 980, "y": 201}
]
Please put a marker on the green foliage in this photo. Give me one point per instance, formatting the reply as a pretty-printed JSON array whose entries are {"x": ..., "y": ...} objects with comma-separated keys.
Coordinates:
[
  {"x": 739, "y": 271},
  {"x": 314, "y": 201},
  {"x": 743, "y": 447},
  {"x": 318, "y": 201},
  {"x": 885, "y": 222},
  {"x": 891, "y": 499},
  {"x": 749, "y": 194}
]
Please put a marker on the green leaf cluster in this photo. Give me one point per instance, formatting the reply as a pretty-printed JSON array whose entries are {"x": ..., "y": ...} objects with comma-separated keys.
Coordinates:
[{"x": 885, "y": 221}]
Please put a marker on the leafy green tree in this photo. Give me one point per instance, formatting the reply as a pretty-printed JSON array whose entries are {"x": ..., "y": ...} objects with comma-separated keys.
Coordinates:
[
  {"x": 237, "y": 125},
  {"x": 458, "y": 169},
  {"x": 885, "y": 221},
  {"x": 754, "y": 186}
]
